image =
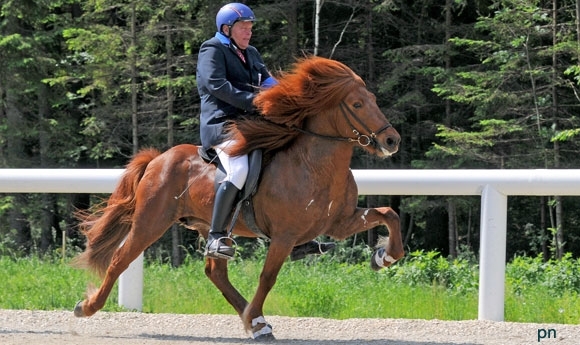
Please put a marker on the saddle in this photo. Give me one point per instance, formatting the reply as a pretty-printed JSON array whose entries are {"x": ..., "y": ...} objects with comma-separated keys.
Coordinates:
[{"x": 244, "y": 198}]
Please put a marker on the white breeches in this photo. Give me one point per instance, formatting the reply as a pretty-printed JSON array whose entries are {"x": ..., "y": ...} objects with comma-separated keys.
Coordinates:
[{"x": 236, "y": 167}]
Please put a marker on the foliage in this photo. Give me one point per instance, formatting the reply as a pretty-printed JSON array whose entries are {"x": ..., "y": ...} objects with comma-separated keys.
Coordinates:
[
  {"x": 557, "y": 276},
  {"x": 84, "y": 84},
  {"x": 424, "y": 285},
  {"x": 429, "y": 268}
]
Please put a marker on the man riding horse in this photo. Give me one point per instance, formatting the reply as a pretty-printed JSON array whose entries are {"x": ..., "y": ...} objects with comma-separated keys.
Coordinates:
[{"x": 230, "y": 72}]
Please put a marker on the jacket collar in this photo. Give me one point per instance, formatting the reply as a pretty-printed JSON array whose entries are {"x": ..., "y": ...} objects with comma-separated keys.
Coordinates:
[{"x": 223, "y": 38}]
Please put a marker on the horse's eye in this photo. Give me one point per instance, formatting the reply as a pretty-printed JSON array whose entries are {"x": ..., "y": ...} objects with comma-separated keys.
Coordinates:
[{"x": 357, "y": 105}]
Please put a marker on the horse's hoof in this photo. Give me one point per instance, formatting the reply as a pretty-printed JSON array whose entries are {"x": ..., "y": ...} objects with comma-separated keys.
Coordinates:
[
  {"x": 264, "y": 338},
  {"x": 263, "y": 333},
  {"x": 79, "y": 309},
  {"x": 377, "y": 253}
]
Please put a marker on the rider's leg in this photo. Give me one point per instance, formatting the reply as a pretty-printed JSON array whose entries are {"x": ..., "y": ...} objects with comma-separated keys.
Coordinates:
[
  {"x": 222, "y": 207},
  {"x": 236, "y": 173}
]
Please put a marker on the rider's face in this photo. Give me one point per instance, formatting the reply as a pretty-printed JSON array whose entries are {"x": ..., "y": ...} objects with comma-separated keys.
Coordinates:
[{"x": 241, "y": 32}]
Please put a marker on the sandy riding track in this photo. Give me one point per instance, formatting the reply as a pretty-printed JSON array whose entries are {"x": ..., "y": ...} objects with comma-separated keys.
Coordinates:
[{"x": 61, "y": 327}]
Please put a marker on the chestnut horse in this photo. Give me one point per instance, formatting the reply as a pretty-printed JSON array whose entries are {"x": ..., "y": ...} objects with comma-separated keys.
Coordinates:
[{"x": 308, "y": 127}]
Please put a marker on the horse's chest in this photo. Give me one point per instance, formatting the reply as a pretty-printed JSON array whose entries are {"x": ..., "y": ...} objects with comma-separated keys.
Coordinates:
[
  {"x": 316, "y": 207},
  {"x": 321, "y": 208},
  {"x": 306, "y": 196}
]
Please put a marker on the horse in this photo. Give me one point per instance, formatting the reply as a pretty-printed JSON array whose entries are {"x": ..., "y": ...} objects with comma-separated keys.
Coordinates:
[{"x": 307, "y": 127}]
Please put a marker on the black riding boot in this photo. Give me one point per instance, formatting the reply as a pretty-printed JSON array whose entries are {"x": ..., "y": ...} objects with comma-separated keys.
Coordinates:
[
  {"x": 308, "y": 248},
  {"x": 216, "y": 247}
]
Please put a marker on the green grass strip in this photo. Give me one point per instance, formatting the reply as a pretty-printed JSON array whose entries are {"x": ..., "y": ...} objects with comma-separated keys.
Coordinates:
[{"x": 308, "y": 288}]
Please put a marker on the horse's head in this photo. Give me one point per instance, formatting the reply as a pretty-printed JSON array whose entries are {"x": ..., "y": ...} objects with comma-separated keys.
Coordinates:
[
  {"x": 330, "y": 87},
  {"x": 366, "y": 124}
]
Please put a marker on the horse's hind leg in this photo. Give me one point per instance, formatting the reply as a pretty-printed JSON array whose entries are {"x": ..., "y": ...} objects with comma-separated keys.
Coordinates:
[
  {"x": 148, "y": 226},
  {"x": 127, "y": 253}
]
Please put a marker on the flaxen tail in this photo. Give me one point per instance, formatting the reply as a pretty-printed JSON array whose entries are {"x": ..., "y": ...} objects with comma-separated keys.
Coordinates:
[{"x": 107, "y": 226}]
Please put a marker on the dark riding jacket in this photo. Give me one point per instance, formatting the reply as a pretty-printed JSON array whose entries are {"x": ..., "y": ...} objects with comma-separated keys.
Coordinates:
[{"x": 227, "y": 86}]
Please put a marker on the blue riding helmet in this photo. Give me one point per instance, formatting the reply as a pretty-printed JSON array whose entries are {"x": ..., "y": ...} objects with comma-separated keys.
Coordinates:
[{"x": 233, "y": 12}]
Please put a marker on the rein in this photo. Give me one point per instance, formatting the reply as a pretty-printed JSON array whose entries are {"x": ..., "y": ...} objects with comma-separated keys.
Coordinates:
[{"x": 361, "y": 139}]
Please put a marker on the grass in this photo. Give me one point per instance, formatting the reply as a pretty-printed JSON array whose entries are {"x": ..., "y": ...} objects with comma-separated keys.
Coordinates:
[
  {"x": 307, "y": 288},
  {"x": 542, "y": 306},
  {"x": 42, "y": 285}
]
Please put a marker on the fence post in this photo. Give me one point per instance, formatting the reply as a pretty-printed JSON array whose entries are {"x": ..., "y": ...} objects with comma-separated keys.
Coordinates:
[
  {"x": 131, "y": 286},
  {"x": 493, "y": 232}
]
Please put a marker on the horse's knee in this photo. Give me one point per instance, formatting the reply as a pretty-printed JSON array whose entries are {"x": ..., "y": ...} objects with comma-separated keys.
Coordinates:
[{"x": 390, "y": 214}]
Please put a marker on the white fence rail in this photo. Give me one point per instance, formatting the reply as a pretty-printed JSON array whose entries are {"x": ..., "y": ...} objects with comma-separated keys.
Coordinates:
[{"x": 492, "y": 185}]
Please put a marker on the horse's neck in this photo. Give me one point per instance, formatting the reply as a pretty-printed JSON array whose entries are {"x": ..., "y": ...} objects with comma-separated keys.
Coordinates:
[{"x": 323, "y": 156}]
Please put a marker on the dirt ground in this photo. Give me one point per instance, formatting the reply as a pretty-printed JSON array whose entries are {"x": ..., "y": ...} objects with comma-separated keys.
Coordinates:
[{"x": 24, "y": 327}]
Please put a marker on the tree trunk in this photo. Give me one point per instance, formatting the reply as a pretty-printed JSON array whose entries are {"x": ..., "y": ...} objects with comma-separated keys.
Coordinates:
[
  {"x": 543, "y": 229},
  {"x": 409, "y": 231},
  {"x": 48, "y": 200},
  {"x": 452, "y": 227},
  {"x": 555, "y": 113},
  {"x": 78, "y": 202},
  {"x": 12, "y": 159},
  {"x": 292, "y": 17},
  {"x": 19, "y": 223},
  {"x": 370, "y": 45},
  {"x": 317, "y": 25},
  {"x": 133, "y": 59},
  {"x": 451, "y": 209},
  {"x": 176, "y": 241}
]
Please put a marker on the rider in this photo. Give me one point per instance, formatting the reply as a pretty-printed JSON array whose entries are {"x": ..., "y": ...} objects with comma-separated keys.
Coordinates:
[{"x": 229, "y": 73}]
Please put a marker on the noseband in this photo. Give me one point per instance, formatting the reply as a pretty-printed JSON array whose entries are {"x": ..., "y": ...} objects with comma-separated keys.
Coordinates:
[{"x": 361, "y": 139}]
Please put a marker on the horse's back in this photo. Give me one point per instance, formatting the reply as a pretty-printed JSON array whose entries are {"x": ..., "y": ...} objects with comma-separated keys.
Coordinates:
[
  {"x": 182, "y": 151},
  {"x": 174, "y": 167}
]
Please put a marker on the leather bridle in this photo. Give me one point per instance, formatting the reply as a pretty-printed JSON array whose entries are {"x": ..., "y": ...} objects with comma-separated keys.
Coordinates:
[{"x": 361, "y": 139}]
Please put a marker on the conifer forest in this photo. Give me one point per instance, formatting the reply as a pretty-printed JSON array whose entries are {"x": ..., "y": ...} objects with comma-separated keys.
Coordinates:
[{"x": 469, "y": 84}]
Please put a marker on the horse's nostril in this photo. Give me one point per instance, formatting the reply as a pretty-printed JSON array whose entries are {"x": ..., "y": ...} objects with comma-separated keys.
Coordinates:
[{"x": 391, "y": 142}]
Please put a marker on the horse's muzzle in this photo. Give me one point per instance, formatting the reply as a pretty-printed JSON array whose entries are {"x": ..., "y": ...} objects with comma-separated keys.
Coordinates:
[{"x": 391, "y": 142}]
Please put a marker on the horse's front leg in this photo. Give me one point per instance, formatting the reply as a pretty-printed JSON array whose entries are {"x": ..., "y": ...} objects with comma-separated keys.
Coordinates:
[
  {"x": 253, "y": 316},
  {"x": 389, "y": 250},
  {"x": 217, "y": 271}
]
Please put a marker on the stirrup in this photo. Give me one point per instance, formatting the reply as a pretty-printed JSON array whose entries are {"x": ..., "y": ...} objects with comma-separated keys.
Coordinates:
[{"x": 220, "y": 249}]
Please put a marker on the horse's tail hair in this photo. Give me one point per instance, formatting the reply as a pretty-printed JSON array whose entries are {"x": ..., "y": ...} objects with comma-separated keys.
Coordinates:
[{"x": 106, "y": 226}]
